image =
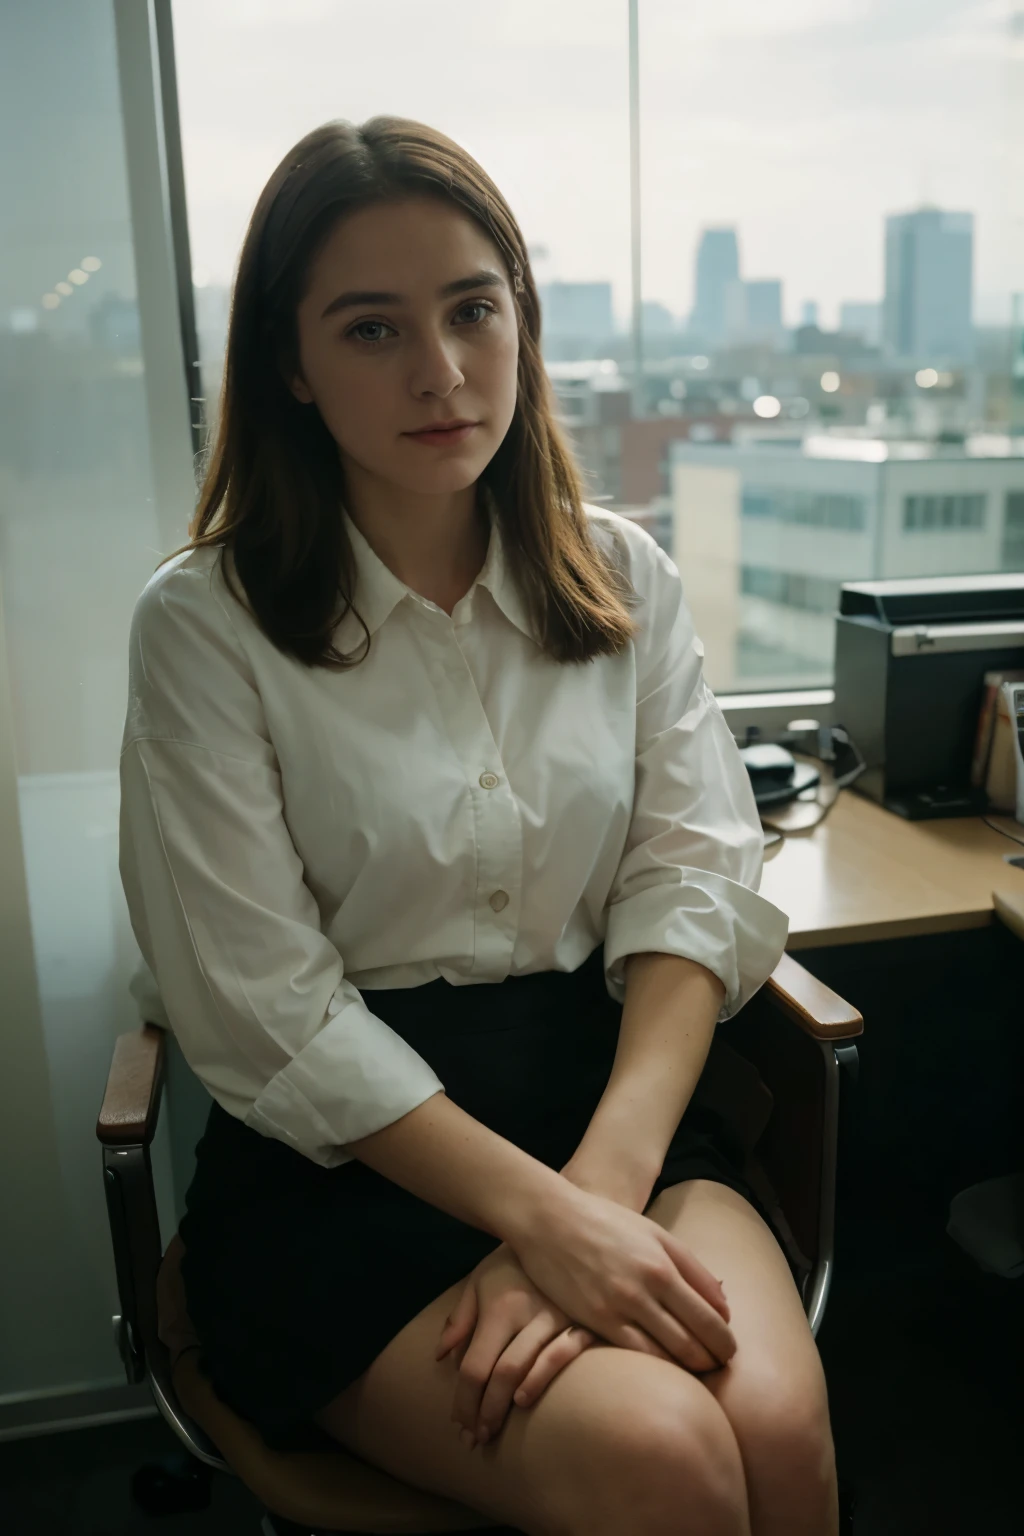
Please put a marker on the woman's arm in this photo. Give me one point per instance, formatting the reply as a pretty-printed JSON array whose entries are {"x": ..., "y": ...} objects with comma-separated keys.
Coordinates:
[
  {"x": 689, "y": 940},
  {"x": 668, "y": 1022},
  {"x": 453, "y": 1161}
]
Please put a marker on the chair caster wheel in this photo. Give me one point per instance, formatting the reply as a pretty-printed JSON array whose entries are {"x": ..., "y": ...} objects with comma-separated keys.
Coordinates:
[{"x": 174, "y": 1485}]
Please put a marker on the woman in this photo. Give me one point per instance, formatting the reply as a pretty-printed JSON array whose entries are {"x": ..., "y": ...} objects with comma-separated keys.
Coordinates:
[{"x": 445, "y": 867}]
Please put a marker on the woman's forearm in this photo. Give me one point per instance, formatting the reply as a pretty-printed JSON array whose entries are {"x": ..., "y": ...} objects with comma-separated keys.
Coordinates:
[
  {"x": 668, "y": 1022},
  {"x": 446, "y": 1157},
  {"x": 456, "y": 1163}
]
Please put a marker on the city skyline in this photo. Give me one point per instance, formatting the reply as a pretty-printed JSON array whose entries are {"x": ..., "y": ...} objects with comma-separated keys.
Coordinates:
[
  {"x": 804, "y": 124},
  {"x": 731, "y": 307}
]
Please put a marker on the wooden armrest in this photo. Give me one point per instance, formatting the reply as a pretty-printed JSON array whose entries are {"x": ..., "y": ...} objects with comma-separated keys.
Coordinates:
[
  {"x": 818, "y": 1010},
  {"x": 132, "y": 1099},
  {"x": 1009, "y": 906}
]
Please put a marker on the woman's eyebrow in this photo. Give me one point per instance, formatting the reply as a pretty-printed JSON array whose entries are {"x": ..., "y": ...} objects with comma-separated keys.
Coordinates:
[{"x": 485, "y": 278}]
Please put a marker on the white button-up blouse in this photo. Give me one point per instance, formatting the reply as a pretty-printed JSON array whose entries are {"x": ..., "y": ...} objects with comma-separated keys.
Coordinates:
[{"x": 456, "y": 805}]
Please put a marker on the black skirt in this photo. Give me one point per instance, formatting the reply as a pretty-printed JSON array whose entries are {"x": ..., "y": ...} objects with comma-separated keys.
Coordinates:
[{"x": 297, "y": 1276}]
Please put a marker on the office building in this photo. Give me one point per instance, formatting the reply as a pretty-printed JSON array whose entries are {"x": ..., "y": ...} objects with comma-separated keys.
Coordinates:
[
  {"x": 718, "y": 266},
  {"x": 929, "y": 265},
  {"x": 753, "y": 311},
  {"x": 658, "y": 319},
  {"x": 763, "y": 309},
  {"x": 765, "y": 531},
  {"x": 577, "y": 310},
  {"x": 863, "y": 320}
]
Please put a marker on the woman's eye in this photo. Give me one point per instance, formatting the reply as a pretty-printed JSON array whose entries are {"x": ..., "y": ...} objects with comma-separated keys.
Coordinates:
[
  {"x": 489, "y": 311},
  {"x": 356, "y": 328}
]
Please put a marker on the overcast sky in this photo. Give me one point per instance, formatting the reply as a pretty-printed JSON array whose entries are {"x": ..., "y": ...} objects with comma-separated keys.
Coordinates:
[{"x": 801, "y": 122}]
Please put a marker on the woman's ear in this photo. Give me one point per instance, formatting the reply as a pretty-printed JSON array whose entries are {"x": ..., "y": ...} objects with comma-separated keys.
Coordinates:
[{"x": 300, "y": 389}]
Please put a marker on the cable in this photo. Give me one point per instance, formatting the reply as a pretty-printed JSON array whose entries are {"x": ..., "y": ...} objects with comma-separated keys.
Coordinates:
[{"x": 1010, "y": 835}]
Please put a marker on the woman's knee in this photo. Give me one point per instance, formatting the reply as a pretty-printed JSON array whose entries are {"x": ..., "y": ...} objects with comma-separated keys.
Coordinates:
[
  {"x": 668, "y": 1463},
  {"x": 783, "y": 1423}
]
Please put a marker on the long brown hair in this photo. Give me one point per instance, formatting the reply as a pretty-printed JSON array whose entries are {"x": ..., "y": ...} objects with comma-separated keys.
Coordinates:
[{"x": 274, "y": 480}]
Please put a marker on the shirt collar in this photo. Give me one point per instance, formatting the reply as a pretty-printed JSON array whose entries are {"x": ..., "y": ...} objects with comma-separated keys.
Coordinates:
[{"x": 378, "y": 590}]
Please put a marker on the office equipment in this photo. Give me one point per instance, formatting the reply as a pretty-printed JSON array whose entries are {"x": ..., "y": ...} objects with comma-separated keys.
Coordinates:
[
  {"x": 910, "y": 658},
  {"x": 778, "y": 778},
  {"x": 775, "y": 774}
]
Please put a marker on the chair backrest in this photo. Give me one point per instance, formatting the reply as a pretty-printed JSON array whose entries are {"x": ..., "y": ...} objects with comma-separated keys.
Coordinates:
[{"x": 790, "y": 1148}]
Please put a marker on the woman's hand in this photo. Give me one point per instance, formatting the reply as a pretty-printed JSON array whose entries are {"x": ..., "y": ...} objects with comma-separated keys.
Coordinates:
[
  {"x": 513, "y": 1342},
  {"x": 625, "y": 1278}
]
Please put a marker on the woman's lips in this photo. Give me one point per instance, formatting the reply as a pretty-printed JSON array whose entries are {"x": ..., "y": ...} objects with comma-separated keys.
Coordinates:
[{"x": 444, "y": 439}]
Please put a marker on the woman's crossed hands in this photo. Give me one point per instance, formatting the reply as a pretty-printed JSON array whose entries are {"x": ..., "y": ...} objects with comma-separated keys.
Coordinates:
[{"x": 512, "y": 1339}]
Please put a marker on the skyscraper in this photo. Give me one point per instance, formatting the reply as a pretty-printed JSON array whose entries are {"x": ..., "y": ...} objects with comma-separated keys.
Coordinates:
[
  {"x": 929, "y": 262},
  {"x": 753, "y": 310},
  {"x": 577, "y": 309},
  {"x": 718, "y": 265},
  {"x": 764, "y": 308},
  {"x": 857, "y": 318}
]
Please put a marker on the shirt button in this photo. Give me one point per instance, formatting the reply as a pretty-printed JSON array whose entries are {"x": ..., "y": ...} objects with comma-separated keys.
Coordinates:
[
  {"x": 488, "y": 780},
  {"x": 499, "y": 900}
]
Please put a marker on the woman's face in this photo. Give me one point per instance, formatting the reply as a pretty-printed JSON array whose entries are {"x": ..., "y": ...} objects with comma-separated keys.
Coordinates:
[{"x": 379, "y": 368}]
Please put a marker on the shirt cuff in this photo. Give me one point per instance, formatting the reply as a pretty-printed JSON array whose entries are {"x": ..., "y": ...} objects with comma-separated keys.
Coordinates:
[
  {"x": 354, "y": 1077},
  {"x": 735, "y": 932}
]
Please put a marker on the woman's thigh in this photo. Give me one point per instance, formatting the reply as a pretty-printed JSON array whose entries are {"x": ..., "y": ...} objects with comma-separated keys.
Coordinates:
[
  {"x": 616, "y": 1428},
  {"x": 773, "y": 1390}
]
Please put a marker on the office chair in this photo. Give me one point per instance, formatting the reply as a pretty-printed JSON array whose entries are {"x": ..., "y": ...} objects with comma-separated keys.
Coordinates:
[
  {"x": 986, "y": 1223},
  {"x": 773, "y": 1072}
]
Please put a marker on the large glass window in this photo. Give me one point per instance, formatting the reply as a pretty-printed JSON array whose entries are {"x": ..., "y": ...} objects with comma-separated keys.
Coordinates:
[
  {"x": 832, "y": 242},
  {"x": 538, "y": 93},
  {"x": 79, "y": 539},
  {"x": 831, "y": 222}
]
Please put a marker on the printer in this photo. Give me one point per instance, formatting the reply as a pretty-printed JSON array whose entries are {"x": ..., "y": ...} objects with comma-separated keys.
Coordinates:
[{"x": 910, "y": 659}]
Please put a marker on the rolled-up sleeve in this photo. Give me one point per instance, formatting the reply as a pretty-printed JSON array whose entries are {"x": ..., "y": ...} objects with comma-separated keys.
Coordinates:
[
  {"x": 687, "y": 882},
  {"x": 253, "y": 990}
]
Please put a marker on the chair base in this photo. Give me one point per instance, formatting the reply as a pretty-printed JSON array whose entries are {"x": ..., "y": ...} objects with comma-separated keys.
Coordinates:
[{"x": 174, "y": 1484}]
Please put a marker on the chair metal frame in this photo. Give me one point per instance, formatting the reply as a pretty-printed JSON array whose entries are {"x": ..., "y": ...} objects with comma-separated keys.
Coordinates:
[{"x": 796, "y": 1031}]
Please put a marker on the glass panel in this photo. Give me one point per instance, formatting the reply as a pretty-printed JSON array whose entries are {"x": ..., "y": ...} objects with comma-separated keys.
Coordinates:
[
  {"x": 77, "y": 545},
  {"x": 833, "y": 243},
  {"x": 538, "y": 93}
]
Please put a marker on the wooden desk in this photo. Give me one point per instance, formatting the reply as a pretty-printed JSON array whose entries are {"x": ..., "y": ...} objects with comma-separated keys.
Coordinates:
[{"x": 865, "y": 873}]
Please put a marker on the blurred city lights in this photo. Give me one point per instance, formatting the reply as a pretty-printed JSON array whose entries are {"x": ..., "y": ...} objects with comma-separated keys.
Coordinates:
[
  {"x": 830, "y": 382},
  {"x": 767, "y": 405},
  {"x": 926, "y": 377}
]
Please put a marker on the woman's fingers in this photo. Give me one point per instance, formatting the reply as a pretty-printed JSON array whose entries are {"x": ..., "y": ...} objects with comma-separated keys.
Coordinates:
[
  {"x": 688, "y": 1352},
  {"x": 493, "y": 1333},
  {"x": 554, "y": 1357},
  {"x": 679, "y": 1319},
  {"x": 694, "y": 1272},
  {"x": 510, "y": 1370},
  {"x": 459, "y": 1327}
]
